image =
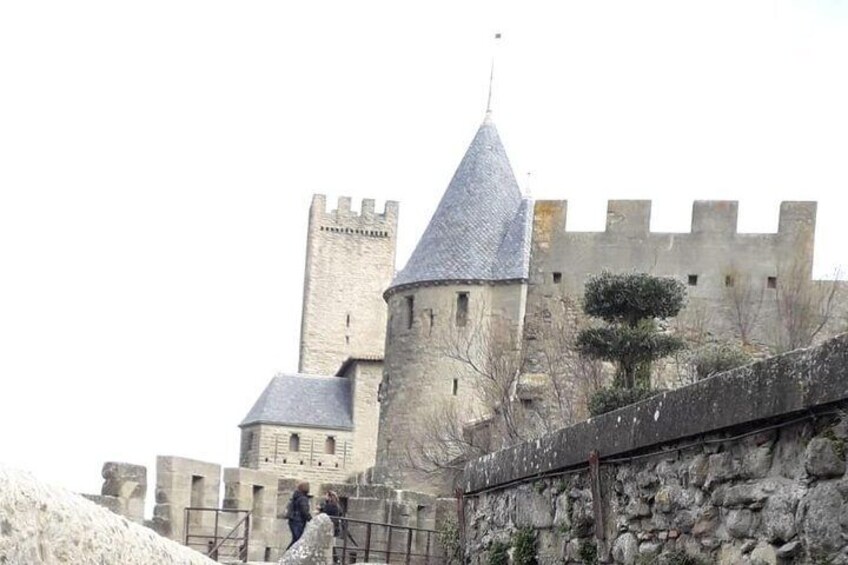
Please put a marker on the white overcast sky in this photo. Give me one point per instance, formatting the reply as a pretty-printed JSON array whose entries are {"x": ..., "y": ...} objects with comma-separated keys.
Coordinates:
[{"x": 157, "y": 160}]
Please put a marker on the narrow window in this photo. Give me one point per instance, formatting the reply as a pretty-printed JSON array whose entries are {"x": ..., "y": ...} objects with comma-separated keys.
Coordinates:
[
  {"x": 527, "y": 403},
  {"x": 196, "y": 498},
  {"x": 347, "y": 321},
  {"x": 432, "y": 321},
  {"x": 330, "y": 445},
  {"x": 410, "y": 311},
  {"x": 693, "y": 280},
  {"x": 557, "y": 278},
  {"x": 294, "y": 442},
  {"x": 258, "y": 500},
  {"x": 772, "y": 282},
  {"x": 461, "y": 309},
  {"x": 347, "y": 340},
  {"x": 728, "y": 280},
  {"x": 455, "y": 387}
]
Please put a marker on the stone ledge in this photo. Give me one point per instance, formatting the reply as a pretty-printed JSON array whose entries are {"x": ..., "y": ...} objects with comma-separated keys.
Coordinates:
[{"x": 778, "y": 388}]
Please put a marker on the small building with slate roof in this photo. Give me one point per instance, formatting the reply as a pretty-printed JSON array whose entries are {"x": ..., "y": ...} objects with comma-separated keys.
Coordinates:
[{"x": 316, "y": 428}]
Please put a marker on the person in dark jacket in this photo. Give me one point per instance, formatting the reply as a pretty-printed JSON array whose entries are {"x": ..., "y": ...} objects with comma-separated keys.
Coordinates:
[
  {"x": 333, "y": 509},
  {"x": 298, "y": 512}
]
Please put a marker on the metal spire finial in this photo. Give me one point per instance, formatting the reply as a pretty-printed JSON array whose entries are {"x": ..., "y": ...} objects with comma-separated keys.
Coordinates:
[{"x": 492, "y": 75}]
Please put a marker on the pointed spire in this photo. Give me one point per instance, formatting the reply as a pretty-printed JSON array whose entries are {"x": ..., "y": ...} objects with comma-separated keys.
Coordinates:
[
  {"x": 492, "y": 75},
  {"x": 479, "y": 231}
]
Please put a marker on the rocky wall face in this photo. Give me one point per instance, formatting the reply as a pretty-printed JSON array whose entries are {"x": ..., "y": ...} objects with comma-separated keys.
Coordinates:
[
  {"x": 42, "y": 524},
  {"x": 775, "y": 496}
]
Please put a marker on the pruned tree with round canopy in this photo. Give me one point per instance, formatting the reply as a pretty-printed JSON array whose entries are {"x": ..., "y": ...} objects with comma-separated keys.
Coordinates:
[{"x": 631, "y": 304}]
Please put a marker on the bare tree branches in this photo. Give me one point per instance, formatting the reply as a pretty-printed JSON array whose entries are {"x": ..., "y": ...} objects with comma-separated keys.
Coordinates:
[
  {"x": 745, "y": 297},
  {"x": 804, "y": 307}
]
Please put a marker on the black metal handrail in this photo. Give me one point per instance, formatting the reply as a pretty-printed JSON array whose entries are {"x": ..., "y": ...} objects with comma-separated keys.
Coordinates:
[
  {"x": 215, "y": 542},
  {"x": 414, "y": 546}
]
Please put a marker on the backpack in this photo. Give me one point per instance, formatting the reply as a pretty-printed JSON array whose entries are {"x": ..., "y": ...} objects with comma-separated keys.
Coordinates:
[{"x": 291, "y": 511}]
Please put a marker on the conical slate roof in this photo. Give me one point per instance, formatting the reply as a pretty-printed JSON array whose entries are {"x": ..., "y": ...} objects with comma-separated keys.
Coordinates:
[{"x": 481, "y": 228}]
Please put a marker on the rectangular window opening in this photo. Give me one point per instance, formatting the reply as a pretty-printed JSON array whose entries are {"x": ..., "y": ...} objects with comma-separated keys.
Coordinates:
[
  {"x": 455, "y": 387},
  {"x": 772, "y": 282},
  {"x": 196, "y": 498},
  {"x": 729, "y": 281},
  {"x": 410, "y": 311},
  {"x": 557, "y": 278},
  {"x": 693, "y": 280},
  {"x": 258, "y": 499},
  {"x": 461, "y": 309}
]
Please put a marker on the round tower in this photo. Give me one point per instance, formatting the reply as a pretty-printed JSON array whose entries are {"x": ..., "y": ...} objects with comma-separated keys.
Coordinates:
[{"x": 462, "y": 291}]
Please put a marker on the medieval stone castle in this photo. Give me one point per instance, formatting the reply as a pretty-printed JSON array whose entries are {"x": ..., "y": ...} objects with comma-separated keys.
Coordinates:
[{"x": 491, "y": 261}]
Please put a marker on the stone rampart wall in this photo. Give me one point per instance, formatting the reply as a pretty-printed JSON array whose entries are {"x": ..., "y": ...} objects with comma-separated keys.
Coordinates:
[
  {"x": 745, "y": 467},
  {"x": 737, "y": 282}
]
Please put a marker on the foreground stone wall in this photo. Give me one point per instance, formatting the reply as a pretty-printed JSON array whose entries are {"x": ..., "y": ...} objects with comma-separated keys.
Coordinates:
[
  {"x": 747, "y": 467},
  {"x": 42, "y": 524}
]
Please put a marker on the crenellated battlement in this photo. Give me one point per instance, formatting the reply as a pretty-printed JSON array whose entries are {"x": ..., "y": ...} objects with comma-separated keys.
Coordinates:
[
  {"x": 709, "y": 217},
  {"x": 344, "y": 220}
]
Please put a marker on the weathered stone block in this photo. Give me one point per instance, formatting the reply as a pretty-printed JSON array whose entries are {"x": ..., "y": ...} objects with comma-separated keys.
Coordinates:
[
  {"x": 124, "y": 480},
  {"x": 740, "y": 523},
  {"x": 764, "y": 554},
  {"x": 534, "y": 509},
  {"x": 820, "y": 530},
  {"x": 824, "y": 459},
  {"x": 625, "y": 549},
  {"x": 315, "y": 546}
]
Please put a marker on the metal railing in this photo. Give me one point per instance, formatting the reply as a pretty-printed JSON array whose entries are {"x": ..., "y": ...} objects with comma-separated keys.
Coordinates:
[
  {"x": 363, "y": 541},
  {"x": 204, "y": 532}
]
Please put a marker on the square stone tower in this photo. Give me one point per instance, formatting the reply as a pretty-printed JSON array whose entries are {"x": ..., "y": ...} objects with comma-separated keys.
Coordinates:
[{"x": 350, "y": 262}]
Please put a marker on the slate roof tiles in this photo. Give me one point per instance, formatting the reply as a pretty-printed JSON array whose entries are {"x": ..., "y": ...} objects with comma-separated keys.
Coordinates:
[{"x": 481, "y": 228}]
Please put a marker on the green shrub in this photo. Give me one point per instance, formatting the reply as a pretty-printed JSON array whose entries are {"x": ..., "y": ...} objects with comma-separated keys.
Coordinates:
[
  {"x": 676, "y": 557},
  {"x": 609, "y": 399},
  {"x": 588, "y": 552},
  {"x": 448, "y": 537},
  {"x": 524, "y": 543},
  {"x": 498, "y": 553},
  {"x": 630, "y": 304},
  {"x": 718, "y": 358}
]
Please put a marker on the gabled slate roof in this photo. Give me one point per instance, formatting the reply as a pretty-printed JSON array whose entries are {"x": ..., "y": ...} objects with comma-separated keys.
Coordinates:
[
  {"x": 481, "y": 228},
  {"x": 304, "y": 400}
]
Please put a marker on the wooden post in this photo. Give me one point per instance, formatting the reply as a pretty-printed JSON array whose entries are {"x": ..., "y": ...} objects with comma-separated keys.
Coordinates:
[{"x": 597, "y": 500}]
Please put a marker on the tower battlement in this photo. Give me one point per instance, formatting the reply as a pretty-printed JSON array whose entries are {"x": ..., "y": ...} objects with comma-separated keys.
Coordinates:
[
  {"x": 350, "y": 260},
  {"x": 709, "y": 217},
  {"x": 345, "y": 217}
]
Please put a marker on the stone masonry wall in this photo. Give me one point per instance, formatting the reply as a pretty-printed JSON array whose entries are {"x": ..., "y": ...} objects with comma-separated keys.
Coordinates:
[
  {"x": 123, "y": 491},
  {"x": 366, "y": 378},
  {"x": 731, "y": 276},
  {"x": 350, "y": 261},
  {"x": 419, "y": 371},
  {"x": 269, "y": 451},
  {"x": 746, "y": 467}
]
